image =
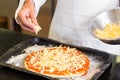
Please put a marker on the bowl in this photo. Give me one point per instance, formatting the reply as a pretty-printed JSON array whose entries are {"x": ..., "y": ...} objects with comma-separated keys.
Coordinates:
[{"x": 99, "y": 22}]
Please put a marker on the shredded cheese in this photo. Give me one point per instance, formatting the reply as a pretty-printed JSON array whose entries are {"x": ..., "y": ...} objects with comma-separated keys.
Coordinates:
[
  {"x": 58, "y": 61},
  {"x": 110, "y": 31}
]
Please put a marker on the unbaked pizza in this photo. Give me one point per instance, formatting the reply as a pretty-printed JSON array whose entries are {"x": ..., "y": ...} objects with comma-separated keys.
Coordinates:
[{"x": 58, "y": 61}]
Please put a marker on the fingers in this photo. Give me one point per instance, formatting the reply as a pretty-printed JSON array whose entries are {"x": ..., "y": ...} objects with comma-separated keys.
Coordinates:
[
  {"x": 29, "y": 24},
  {"x": 25, "y": 21},
  {"x": 37, "y": 28},
  {"x": 26, "y": 26},
  {"x": 34, "y": 19}
]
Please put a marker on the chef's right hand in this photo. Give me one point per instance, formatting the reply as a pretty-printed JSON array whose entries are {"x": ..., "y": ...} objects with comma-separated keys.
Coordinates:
[{"x": 26, "y": 16}]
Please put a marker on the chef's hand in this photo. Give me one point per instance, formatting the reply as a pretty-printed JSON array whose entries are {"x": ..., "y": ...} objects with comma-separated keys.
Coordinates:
[{"x": 26, "y": 16}]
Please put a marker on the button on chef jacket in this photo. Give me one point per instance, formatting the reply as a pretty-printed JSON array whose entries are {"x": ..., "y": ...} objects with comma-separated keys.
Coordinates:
[{"x": 72, "y": 18}]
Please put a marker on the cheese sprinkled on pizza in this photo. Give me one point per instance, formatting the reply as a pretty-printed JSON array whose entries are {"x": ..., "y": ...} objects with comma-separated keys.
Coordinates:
[{"x": 58, "y": 61}]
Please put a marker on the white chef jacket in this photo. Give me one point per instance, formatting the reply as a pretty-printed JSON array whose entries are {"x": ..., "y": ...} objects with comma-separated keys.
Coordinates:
[{"x": 71, "y": 20}]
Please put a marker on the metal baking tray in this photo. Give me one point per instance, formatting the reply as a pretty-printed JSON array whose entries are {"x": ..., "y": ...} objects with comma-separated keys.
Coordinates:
[{"x": 104, "y": 58}]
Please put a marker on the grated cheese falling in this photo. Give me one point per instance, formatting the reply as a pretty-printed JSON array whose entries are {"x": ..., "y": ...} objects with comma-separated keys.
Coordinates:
[{"x": 37, "y": 28}]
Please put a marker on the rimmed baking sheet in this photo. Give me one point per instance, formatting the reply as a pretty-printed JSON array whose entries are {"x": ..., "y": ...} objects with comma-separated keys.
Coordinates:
[{"x": 100, "y": 60}]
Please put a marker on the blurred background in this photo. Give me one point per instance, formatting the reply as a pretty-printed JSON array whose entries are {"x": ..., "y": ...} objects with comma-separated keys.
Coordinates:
[{"x": 7, "y": 12}]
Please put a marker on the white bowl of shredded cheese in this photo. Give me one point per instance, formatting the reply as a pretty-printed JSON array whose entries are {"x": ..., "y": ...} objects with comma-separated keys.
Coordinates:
[{"x": 106, "y": 26}]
